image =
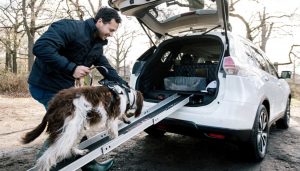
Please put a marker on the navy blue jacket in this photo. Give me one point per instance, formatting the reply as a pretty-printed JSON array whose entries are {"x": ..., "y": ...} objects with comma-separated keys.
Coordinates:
[{"x": 65, "y": 45}]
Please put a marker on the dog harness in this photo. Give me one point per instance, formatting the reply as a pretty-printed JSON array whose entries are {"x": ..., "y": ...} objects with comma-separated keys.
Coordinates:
[{"x": 110, "y": 85}]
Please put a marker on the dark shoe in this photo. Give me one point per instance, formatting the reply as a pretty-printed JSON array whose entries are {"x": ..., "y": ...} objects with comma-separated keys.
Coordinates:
[{"x": 95, "y": 166}]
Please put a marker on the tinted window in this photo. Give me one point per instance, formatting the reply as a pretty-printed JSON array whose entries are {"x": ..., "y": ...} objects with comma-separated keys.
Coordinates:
[
  {"x": 272, "y": 69},
  {"x": 262, "y": 64},
  {"x": 201, "y": 53},
  {"x": 247, "y": 55}
]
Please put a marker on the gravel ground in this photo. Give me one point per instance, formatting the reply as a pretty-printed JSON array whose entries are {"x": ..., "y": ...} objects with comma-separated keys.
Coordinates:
[{"x": 143, "y": 153}]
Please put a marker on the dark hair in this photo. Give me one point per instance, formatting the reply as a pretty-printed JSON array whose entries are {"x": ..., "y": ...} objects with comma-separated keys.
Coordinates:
[{"x": 107, "y": 14}]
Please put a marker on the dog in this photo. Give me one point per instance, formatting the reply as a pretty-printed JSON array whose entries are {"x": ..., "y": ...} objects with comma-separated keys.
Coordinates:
[{"x": 73, "y": 111}]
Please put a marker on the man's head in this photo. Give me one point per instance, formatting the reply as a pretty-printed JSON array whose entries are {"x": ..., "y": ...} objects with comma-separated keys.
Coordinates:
[{"x": 107, "y": 22}]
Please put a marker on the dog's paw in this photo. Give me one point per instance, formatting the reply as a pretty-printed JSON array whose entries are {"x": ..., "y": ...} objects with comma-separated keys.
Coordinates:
[
  {"x": 126, "y": 121},
  {"x": 113, "y": 135},
  {"x": 84, "y": 152},
  {"x": 129, "y": 114},
  {"x": 76, "y": 152}
]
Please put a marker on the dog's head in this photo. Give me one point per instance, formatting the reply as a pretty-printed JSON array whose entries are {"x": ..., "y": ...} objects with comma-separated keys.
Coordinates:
[{"x": 134, "y": 100}]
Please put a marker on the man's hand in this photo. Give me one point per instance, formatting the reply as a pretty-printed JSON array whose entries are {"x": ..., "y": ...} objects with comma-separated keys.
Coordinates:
[{"x": 81, "y": 71}]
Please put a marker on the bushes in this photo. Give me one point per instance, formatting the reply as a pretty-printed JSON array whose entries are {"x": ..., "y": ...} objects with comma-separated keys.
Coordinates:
[
  {"x": 13, "y": 85},
  {"x": 295, "y": 88}
]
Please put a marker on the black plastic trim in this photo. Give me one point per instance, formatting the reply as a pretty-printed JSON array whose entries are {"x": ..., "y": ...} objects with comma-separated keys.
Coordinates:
[{"x": 191, "y": 129}]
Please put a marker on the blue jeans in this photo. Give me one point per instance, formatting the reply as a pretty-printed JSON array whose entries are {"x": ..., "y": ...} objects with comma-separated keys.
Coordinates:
[{"x": 41, "y": 95}]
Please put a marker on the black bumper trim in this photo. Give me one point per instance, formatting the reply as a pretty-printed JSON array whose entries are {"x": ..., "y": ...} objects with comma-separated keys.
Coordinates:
[{"x": 192, "y": 129}]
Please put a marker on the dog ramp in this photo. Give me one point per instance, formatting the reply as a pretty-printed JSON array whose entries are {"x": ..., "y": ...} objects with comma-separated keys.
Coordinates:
[{"x": 101, "y": 144}]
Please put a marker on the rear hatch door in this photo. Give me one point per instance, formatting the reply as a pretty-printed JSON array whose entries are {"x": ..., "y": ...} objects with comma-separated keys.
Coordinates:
[{"x": 170, "y": 17}]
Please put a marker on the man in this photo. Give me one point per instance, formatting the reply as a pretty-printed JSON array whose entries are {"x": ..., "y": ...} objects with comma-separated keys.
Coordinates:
[{"x": 65, "y": 52}]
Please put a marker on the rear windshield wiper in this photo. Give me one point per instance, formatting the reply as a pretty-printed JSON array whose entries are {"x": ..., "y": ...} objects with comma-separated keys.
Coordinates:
[{"x": 211, "y": 30}]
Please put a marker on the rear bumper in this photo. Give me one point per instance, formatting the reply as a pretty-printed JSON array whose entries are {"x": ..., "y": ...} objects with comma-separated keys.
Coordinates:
[{"x": 192, "y": 129}]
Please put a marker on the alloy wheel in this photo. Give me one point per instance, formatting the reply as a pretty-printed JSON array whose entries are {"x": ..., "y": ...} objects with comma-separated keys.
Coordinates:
[{"x": 262, "y": 135}]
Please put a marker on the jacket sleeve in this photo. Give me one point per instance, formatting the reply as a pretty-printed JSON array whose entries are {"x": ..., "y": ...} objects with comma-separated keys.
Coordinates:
[
  {"x": 108, "y": 71},
  {"x": 46, "y": 48}
]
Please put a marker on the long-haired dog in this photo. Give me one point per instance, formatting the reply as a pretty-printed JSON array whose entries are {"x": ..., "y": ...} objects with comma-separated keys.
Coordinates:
[{"x": 74, "y": 110}]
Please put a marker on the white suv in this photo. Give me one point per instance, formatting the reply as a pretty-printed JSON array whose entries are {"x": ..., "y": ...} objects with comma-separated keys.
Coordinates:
[{"x": 237, "y": 93}]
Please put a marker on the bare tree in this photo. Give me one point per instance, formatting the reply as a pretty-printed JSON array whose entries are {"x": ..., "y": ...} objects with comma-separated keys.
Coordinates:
[
  {"x": 79, "y": 10},
  {"x": 10, "y": 23},
  {"x": 261, "y": 24},
  {"x": 294, "y": 56},
  {"x": 31, "y": 10},
  {"x": 119, "y": 47},
  {"x": 37, "y": 14},
  {"x": 95, "y": 10}
]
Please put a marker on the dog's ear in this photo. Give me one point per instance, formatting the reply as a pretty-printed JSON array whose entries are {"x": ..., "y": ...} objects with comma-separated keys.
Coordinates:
[{"x": 139, "y": 103}]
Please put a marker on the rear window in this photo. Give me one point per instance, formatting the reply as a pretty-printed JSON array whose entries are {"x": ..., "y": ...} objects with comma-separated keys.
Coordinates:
[
  {"x": 202, "y": 52},
  {"x": 172, "y": 9}
]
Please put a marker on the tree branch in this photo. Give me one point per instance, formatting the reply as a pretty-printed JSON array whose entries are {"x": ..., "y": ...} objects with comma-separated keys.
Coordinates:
[{"x": 39, "y": 7}]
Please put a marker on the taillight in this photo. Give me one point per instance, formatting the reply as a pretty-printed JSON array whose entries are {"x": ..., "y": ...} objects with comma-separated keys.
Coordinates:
[
  {"x": 229, "y": 66},
  {"x": 217, "y": 136}
]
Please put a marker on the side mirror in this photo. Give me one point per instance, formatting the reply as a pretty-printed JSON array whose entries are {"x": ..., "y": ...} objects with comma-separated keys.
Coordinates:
[{"x": 286, "y": 74}]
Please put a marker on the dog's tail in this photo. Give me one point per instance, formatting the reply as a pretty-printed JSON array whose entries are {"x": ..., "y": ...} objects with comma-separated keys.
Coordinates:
[{"x": 32, "y": 135}]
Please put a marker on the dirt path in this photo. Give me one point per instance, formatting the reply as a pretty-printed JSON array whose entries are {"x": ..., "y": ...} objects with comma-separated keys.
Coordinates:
[{"x": 172, "y": 152}]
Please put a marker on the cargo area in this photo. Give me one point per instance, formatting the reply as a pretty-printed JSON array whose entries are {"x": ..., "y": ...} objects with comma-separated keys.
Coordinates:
[{"x": 185, "y": 65}]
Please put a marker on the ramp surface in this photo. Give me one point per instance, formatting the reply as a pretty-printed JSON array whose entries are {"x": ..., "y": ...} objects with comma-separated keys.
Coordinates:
[{"x": 102, "y": 144}]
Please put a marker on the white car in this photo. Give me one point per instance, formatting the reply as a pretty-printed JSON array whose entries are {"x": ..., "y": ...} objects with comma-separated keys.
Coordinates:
[{"x": 237, "y": 93}]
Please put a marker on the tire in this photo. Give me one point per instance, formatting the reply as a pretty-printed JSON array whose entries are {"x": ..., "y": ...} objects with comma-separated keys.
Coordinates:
[
  {"x": 256, "y": 147},
  {"x": 284, "y": 122},
  {"x": 154, "y": 132}
]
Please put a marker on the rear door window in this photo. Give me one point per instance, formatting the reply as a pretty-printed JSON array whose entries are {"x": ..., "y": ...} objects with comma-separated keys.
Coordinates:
[
  {"x": 258, "y": 57},
  {"x": 245, "y": 54},
  {"x": 271, "y": 67}
]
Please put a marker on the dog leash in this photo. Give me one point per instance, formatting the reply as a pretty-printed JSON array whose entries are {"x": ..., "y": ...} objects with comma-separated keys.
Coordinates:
[{"x": 90, "y": 81}]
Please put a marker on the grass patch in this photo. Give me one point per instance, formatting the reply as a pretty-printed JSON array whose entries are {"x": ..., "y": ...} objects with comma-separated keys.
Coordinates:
[{"x": 13, "y": 84}]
